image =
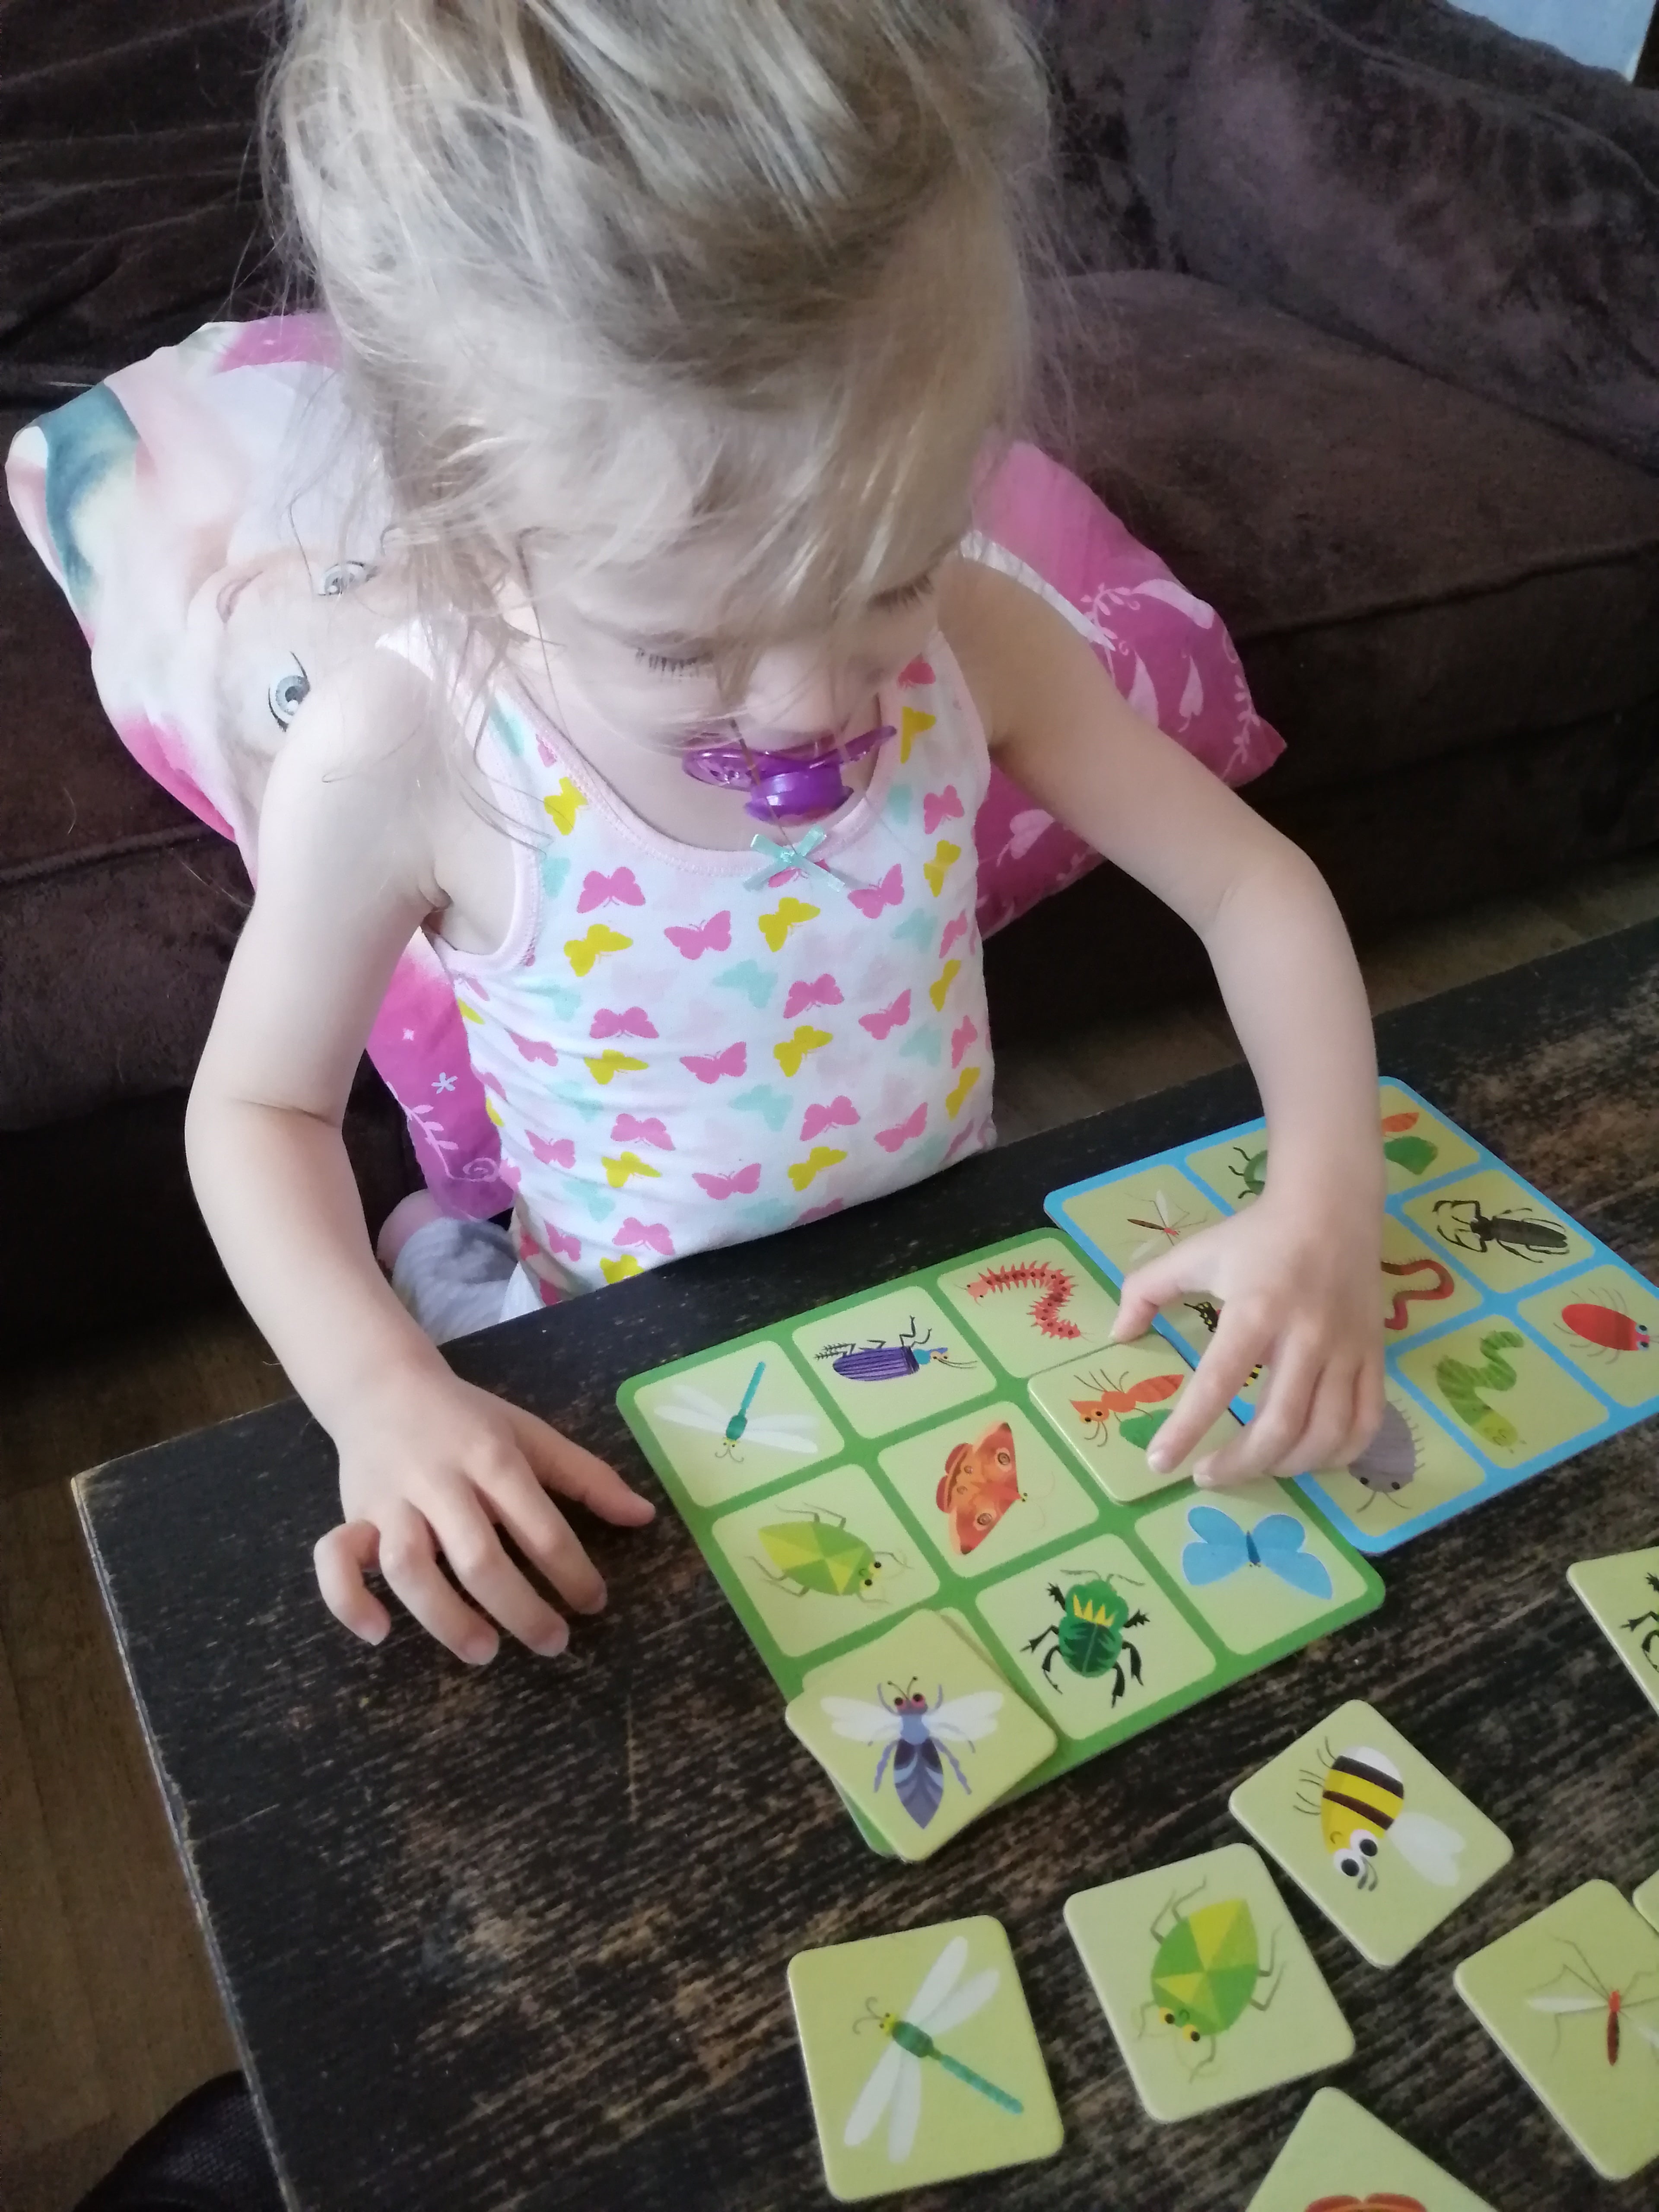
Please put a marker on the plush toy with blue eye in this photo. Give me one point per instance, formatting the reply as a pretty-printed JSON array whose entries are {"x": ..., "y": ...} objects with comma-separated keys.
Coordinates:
[{"x": 288, "y": 694}]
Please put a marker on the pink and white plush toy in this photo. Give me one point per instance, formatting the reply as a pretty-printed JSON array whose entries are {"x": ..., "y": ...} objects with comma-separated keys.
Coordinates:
[{"x": 228, "y": 465}]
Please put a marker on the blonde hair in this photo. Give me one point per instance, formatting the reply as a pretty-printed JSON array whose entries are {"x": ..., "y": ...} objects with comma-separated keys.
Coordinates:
[{"x": 617, "y": 278}]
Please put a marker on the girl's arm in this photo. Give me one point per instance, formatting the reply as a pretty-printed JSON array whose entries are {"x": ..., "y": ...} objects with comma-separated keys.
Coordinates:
[
  {"x": 1296, "y": 1272},
  {"x": 428, "y": 1463}
]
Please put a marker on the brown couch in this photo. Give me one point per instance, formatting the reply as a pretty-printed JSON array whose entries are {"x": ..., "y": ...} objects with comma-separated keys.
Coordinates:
[{"x": 1361, "y": 312}]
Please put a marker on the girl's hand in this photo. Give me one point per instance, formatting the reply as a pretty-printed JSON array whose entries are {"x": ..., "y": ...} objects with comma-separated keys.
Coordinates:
[
  {"x": 1296, "y": 1285},
  {"x": 429, "y": 1464}
]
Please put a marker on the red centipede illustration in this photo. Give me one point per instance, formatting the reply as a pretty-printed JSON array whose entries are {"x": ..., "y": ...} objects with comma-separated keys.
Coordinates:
[
  {"x": 1054, "y": 1284},
  {"x": 1444, "y": 1283}
]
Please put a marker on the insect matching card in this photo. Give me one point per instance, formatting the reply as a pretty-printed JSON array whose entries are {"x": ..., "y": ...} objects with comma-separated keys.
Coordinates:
[
  {"x": 1646, "y": 1900},
  {"x": 1572, "y": 1998},
  {"x": 920, "y": 2058},
  {"x": 1372, "y": 1834},
  {"x": 1514, "y": 1338},
  {"x": 964, "y": 1454},
  {"x": 918, "y": 1731},
  {"x": 1340, "y": 2159},
  {"x": 1207, "y": 1984},
  {"x": 1622, "y": 1594}
]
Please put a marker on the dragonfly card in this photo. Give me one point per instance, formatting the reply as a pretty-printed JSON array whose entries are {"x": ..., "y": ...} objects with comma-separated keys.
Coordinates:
[
  {"x": 1207, "y": 1982},
  {"x": 1622, "y": 1594},
  {"x": 964, "y": 1443},
  {"x": 920, "y": 1732},
  {"x": 1646, "y": 1900},
  {"x": 1514, "y": 1339},
  {"x": 1370, "y": 1831},
  {"x": 1572, "y": 1998},
  {"x": 920, "y": 2058},
  {"x": 1339, "y": 2159}
]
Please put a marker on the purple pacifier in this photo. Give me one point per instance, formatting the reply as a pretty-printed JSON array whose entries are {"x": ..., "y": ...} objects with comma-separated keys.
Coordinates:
[{"x": 796, "y": 784}]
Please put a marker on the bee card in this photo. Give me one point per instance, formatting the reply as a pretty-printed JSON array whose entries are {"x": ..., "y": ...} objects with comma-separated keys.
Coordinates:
[
  {"x": 1368, "y": 1830},
  {"x": 1513, "y": 1339},
  {"x": 1572, "y": 1999},
  {"x": 1207, "y": 1982},
  {"x": 1622, "y": 1594},
  {"x": 1646, "y": 1900},
  {"x": 1340, "y": 2158},
  {"x": 920, "y": 2058},
  {"x": 920, "y": 1732}
]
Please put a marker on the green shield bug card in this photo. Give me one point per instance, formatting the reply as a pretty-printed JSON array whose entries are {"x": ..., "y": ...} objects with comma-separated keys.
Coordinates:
[
  {"x": 1646, "y": 1900},
  {"x": 1338, "y": 2157},
  {"x": 1622, "y": 1594},
  {"x": 1514, "y": 1339},
  {"x": 1372, "y": 1834},
  {"x": 1207, "y": 1982},
  {"x": 1572, "y": 1999},
  {"x": 967, "y": 1445},
  {"x": 920, "y": 1732},
  {"x": 920, "y": 2058}
]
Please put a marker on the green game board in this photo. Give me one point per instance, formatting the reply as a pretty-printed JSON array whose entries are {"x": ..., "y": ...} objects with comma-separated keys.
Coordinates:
[{"x": 965, "y": 1439}]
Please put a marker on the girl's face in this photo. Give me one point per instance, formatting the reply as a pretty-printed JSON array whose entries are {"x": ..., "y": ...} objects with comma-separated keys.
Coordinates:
[{"x": 651, "y": 682}]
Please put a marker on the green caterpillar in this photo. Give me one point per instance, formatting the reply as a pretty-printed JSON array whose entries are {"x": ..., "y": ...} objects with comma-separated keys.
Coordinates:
[{"x": 1459, "y": 1384}]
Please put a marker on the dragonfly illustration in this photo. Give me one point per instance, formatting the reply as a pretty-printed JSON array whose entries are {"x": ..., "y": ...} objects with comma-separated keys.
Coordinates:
[
  {"x": 691, "y": 1408},
  {"x": 916, "y": 1737},
  {"x": 896, "y": 2080},
  {"x": 1169, "y": 1229}
]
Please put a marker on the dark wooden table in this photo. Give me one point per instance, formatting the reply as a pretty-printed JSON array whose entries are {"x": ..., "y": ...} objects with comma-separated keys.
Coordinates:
[{"x": 517, "y": 1938}]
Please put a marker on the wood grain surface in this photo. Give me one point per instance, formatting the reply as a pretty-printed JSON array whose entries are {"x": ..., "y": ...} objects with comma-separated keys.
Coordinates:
[{"x": 517, "y": 1938}]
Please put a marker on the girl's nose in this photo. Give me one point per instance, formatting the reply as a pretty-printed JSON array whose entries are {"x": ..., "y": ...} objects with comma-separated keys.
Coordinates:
[{"x": 795, "y": 696}]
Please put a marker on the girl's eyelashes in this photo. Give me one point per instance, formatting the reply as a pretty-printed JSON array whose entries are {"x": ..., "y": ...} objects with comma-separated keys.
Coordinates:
[
  {"x": 287, "y": 694},
  {"x": 662, "y": 664},
  {"x": 908, "y": 595}
]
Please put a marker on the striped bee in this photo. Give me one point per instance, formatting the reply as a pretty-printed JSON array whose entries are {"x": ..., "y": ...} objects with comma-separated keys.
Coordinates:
[{"x": 1359, "y": 1798}]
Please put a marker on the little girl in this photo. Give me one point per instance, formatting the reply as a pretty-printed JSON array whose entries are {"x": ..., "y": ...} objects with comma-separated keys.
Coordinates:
[{"x": 685, "y": 332}]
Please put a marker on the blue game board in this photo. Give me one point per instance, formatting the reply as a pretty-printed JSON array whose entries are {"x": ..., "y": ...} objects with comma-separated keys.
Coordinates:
[{"x": 1516, "y": 1339}]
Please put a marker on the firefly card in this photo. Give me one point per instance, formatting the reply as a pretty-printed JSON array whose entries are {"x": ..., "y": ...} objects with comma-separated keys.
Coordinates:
[
  {"x": 967, "y": 1442},
  {"x": 1572, "y": 1999},
  {"x": 1205, "y": 1982},
  {"x": 918, "y": 1731},
  {"x": 1372, "y": 1834},
  {"x": 1514, "y": 1338},
  {"x": 1337, "y": 2150},
  {"x": 921, "y": 2059}
]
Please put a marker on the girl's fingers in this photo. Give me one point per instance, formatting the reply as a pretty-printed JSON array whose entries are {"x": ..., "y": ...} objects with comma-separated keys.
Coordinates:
[
  {"x": 479, "y": 1563},
  {"x": 573, "y": 1472},
  {"x": 1216, "y": 1381},
  {"x": 408, "y": 1561},
  {"x": 1331, "y": 1426},
  {"x": 544, "y": 1535},
  {"x": 1263, "y": 1446},
  {"x": 1148, "y": 1288},
  {"x": 1368, "y": 1404},
  {"x": 340, "y": 1558}
]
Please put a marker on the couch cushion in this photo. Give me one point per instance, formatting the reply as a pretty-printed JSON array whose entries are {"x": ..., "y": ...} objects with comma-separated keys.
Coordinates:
[
  {"x": 118, "y": 910},
  {"x": 1472, "y": 230},
  {"x": 1408, "y": 570}
]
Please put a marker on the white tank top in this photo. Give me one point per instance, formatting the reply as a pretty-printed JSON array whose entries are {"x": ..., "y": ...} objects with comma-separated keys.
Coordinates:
[{"x": 684, "y": 1048}]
